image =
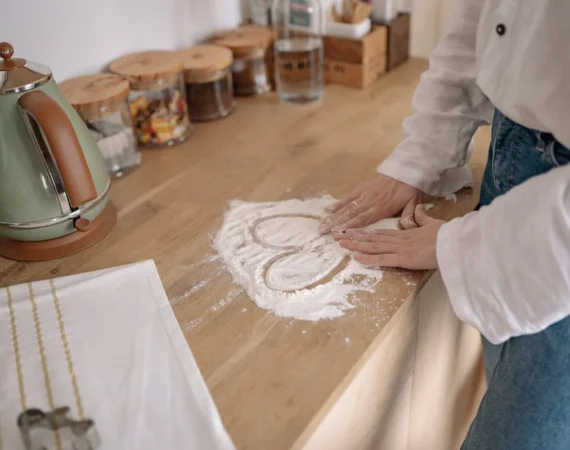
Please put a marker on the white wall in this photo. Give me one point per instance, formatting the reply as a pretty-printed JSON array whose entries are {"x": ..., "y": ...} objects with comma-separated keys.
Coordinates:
[
  {"x": 75, "y": 37},
  {"x": 429, "y": 19}
]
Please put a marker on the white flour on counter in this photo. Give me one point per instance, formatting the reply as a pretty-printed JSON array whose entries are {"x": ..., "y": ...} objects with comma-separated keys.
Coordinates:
[{"x": 275, "y": 252}]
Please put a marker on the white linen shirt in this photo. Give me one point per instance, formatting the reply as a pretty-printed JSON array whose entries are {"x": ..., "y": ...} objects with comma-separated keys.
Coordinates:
[{"x": 506, "y": 267}]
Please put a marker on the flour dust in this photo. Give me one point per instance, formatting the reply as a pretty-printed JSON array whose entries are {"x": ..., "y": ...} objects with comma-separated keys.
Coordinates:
[
  {"x": 276, "y": 253},
  {"x": 230, "y": 297}
]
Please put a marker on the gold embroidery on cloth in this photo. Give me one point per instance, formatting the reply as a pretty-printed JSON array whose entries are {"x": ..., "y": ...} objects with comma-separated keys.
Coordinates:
[
  {"x": 43, "y": 359},
  {"x": 16, "y": 345},
  {"x": 65, "y": 342}
]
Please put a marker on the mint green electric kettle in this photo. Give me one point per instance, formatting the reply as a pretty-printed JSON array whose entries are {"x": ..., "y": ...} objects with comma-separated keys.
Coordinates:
[{"x": 54, "y": 184}]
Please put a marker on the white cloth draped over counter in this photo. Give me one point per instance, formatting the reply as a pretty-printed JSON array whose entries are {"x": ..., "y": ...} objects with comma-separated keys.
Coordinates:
[{"x": 128, "y": 366}]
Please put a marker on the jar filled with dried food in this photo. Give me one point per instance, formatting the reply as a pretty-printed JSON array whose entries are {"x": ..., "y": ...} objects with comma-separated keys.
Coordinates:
[
  {"x": 251, "y": 67},
  {"x": 156, "y": 101},
  {"x": 101, "y": 101},
  {"x": 208, "y": 79}
]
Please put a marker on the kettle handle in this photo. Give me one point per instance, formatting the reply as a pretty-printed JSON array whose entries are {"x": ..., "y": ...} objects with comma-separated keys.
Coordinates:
[{"x": 64, "y": 145}]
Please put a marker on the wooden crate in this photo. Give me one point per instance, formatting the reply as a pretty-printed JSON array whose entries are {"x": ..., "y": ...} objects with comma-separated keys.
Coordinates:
[
  {"x": 398, "y": 40},
  {"x": 355, "y": 75},
  {"x": 357, "y": 51},
  {"x": 356, "y": 63}
]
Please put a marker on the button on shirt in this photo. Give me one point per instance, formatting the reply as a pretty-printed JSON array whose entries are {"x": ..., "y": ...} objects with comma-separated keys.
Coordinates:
[{"x": 513, "y": 55}]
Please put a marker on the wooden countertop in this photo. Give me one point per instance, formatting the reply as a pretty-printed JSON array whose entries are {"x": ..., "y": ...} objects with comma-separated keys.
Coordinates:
[{"x": 272, "y": 378}]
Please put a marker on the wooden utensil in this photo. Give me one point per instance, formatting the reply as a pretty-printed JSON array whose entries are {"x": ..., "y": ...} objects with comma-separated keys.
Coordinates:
[
  {"x": 351, "y": 11},
  {"x": 361, "y": 12}
]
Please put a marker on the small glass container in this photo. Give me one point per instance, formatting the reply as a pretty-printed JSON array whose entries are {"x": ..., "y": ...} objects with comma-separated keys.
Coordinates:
[
  {"x": 208, "y": 78},
  {"x": 101, "y": 101},
  {"x": 250, "y": 69},
  {"x": 157, "y": 99}
]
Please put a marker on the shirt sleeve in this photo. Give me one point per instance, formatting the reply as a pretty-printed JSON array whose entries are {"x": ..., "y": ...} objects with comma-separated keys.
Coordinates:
[
  {"x": 448, "y": 108},
  {"x": 507, "y": 267}
]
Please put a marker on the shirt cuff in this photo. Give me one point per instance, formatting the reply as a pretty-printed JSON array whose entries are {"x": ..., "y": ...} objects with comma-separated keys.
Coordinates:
[{"x": 449, "y": 260}]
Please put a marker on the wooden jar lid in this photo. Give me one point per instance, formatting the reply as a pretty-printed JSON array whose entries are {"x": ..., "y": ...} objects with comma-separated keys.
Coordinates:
[
  {"x": 244, "y": 40},
  {"x": 91, "y": 95},
  {"x": 147, "y": 66},
  {"x": 203, "y": 63}
]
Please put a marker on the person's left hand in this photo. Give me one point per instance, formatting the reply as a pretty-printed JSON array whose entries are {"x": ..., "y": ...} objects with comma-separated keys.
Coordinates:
[{"x": 409, "y": 249}]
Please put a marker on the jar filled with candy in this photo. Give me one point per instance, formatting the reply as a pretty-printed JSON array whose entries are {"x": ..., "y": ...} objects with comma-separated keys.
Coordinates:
[{"x": 157, "y": 99}]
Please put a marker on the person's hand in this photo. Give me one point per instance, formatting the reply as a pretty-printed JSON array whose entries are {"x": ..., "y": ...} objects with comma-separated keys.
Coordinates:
[
  {"x": 377, "y": 199},
  {"x": 409, "y": 249}
]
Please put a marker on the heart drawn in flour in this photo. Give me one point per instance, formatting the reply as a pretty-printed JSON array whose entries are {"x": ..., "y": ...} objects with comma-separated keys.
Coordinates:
[{"x": 305, "y": 259}]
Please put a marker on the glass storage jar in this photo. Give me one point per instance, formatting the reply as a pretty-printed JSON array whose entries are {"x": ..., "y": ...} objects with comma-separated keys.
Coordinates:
[
  {"x": 101, "y": 101},
  {"x": 299, "y": 54},
  {"x": 208, "y": 78},
  {"x": 250, "y": 69},
  {"x": 156, "y": 101}
]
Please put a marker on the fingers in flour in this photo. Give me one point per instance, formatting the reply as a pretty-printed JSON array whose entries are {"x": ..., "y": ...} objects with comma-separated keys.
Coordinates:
[
  {"x": 370, "y": 247},
  {"x": 341, "y": 203},
  {"x": 342, "y": 216},
  {"x": 407, "y": 221},
  {"x": 365, "y": 235},
  {"x": 365, "y": 218}
]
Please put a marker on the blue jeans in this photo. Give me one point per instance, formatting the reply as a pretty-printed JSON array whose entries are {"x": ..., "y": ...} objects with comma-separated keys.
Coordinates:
[{"x": 527, "y": 404}]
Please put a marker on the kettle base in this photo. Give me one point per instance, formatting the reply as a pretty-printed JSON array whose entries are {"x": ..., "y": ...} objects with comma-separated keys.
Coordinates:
[{"x": 58, "y": 248}]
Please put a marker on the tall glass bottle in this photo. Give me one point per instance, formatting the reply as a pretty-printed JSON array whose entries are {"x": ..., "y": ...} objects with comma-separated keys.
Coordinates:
[{"x": 298, "y": 26}]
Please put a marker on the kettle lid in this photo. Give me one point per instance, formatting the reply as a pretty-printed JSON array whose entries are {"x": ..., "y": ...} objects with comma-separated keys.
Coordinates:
[{"x": 17, "y": 74}]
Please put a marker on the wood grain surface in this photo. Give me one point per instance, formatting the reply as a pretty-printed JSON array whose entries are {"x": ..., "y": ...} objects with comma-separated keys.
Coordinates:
[
  {"x": 269, "y": 376},
  {"x": 358, "y": 51}
]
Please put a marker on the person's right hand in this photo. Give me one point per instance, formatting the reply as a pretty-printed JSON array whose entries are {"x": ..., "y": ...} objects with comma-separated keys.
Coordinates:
[{"x": 374, "y": 200}]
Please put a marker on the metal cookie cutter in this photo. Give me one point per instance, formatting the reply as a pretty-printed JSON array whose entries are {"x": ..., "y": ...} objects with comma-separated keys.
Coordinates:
[{"x": 55, "y": 429}]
